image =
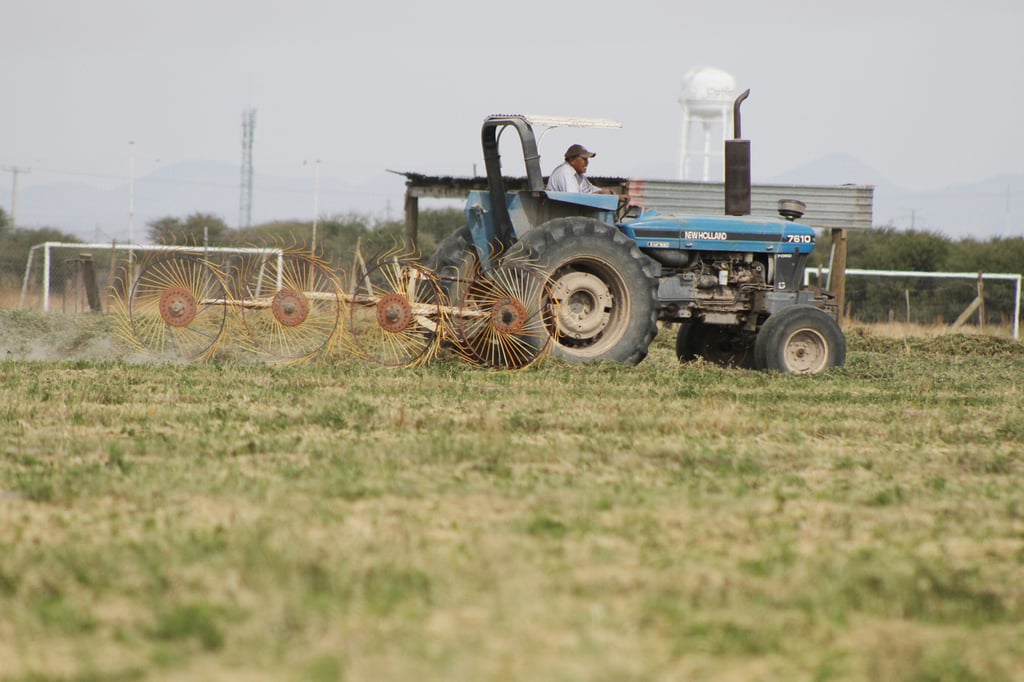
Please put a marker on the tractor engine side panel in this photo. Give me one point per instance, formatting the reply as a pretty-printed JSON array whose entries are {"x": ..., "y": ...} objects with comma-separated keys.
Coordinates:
[{"x": 719, "y": 268}]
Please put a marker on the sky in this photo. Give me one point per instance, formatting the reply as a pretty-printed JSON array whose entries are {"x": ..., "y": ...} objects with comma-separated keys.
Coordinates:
[{"x": 929, "y": 93}]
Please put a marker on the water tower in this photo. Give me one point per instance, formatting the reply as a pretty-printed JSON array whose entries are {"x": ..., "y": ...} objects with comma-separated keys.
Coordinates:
[{"x": 706, "y": 99}]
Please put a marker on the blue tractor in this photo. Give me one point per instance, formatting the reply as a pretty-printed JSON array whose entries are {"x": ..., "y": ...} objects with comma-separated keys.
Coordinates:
[{"x": 732, "y": 283}]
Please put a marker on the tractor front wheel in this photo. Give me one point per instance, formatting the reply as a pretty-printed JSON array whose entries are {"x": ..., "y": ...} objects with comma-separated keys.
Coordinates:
[
  {"x": 800, "y": 339},
  {"x": 604, "y": 289}
]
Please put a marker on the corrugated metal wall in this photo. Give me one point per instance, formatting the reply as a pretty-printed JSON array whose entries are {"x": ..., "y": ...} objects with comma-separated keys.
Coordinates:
[{"x": 828, "y": 207}]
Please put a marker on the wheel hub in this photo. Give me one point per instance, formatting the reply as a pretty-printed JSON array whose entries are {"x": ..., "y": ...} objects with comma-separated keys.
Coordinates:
[
  {"x": 585, "y": 304},
  {"x": 178, "y": 307},
  {"x": 290, "y": 307},
  {"x": 394, "y": 313},
  {"x": 806, "y": 352},
  {"x": 508, "y": 316}
]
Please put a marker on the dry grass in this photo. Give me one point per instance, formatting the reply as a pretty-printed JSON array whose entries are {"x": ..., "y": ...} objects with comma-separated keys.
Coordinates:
[{"x": 906, "y": 330}]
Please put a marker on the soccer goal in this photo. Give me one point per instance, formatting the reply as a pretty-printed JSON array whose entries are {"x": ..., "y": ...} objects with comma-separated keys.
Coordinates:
[{"x": 76, "y": 277}]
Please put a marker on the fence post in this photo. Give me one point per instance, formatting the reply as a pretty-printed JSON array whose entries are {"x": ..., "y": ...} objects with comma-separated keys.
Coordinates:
[
  {"x": 24, "y": 280},
  {"x": 837, "y": 271},
  {"x": 412, "y": 221},
  {"x": 981, "y": 301},
  {"x": 92, "y": 292}
]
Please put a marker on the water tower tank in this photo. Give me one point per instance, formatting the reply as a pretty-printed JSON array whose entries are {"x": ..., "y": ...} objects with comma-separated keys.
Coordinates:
[{"x": 706, "y": 100}]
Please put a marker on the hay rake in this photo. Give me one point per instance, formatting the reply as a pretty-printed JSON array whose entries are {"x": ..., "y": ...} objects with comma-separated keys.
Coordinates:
[{"x": 292, "y": 308}]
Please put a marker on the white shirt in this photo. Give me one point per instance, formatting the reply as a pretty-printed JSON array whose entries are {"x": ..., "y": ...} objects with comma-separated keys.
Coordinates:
[{"x": 566, "y": 179}]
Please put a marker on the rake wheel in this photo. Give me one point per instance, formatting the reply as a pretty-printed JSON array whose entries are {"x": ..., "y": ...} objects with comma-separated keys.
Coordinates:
[
  {"x": 395, "y": 315},
  {"x": 506, "y": 317},
  {"x": 178, "y": 306},
  {"x": 290, "y": 306}
]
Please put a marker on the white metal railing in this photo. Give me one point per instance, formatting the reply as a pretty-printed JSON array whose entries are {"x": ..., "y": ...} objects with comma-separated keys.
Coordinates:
[{"x": 938, "y": 275}]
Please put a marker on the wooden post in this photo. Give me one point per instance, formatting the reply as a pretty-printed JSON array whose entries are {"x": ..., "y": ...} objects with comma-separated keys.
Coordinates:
[
  {"x": 981, "y": 301},
  {"x": 966, "y": 314},
  {"x": 837, "y": 275},
  {"x": 92, "y": 292},
  {"x": 412, "y": 220}
]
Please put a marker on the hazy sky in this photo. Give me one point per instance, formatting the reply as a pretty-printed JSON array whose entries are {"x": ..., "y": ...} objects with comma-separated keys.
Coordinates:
[{"x": 928, "y": 92}]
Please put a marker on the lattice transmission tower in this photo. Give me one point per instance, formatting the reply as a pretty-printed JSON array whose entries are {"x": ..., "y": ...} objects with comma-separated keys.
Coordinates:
[{"x": 245, "y": 202}]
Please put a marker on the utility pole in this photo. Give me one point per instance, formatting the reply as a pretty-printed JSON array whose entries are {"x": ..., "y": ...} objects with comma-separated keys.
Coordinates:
[
  {"x": 14, "y": 171},
  {"x": 131, "y": 193},
  {"x": 316, "y": 204},
  {"x": 245, "y": 201},
  {"x": 1006, "y": 225}
]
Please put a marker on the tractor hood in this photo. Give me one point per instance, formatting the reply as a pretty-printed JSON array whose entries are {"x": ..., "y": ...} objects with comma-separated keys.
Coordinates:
[{"x": 719, "y": 233}]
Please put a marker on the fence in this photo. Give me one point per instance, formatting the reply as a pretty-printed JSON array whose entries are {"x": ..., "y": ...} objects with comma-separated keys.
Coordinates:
[{"x": 929, "y": 298}]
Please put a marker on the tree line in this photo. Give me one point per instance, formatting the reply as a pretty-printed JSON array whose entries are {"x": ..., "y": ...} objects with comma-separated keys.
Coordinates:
[{"x": 338, "y": 236}]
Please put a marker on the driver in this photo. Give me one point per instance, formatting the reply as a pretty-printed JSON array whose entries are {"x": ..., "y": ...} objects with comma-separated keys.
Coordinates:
[{"x": 569, "y": 176}]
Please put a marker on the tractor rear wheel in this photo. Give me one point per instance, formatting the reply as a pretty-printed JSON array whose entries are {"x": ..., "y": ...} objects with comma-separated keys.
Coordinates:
[
  {"x": 725, "y": 346},
  {"x": 455, "y": 263},
  {"x": 604, "y": 289},
  {"x": 800, "y": 339}
]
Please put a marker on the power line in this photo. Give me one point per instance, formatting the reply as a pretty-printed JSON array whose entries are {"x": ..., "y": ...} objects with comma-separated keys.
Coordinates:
[{"x": 55, "y": 171}]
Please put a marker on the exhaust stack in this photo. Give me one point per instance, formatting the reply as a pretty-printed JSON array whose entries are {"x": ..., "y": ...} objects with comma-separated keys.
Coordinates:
[{"x": 737, "y": 166}]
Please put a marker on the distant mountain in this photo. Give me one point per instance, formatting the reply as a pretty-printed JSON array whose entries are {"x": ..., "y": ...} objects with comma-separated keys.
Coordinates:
[
  {"x": 991, "y": 208},
  {"x": 199, "y": 186},
  {"x": 832, "y": 169}
]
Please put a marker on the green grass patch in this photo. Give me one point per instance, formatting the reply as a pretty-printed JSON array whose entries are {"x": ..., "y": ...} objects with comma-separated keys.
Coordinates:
[{"x": 343, "y": 521}]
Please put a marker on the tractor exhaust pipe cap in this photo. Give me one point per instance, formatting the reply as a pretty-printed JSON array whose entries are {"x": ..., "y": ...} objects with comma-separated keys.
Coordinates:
[{"x": 736, "y": 114}]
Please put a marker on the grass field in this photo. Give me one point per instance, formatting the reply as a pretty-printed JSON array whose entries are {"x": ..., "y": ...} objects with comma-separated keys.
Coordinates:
[{"x": 660, "y": 522}]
